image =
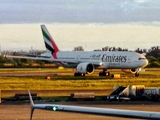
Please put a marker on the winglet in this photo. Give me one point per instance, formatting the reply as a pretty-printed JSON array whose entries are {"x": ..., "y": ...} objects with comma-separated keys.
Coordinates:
[{"x": 32, "y": 104}]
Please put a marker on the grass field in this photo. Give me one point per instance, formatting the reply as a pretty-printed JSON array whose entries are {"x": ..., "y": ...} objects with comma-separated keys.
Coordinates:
[{"x": 150, "y": 78}]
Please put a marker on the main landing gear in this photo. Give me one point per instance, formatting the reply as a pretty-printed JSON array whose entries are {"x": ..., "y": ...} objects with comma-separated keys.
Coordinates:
[
  {"x": 79, "y": 74},
  {"x": 104, "y": 73}
]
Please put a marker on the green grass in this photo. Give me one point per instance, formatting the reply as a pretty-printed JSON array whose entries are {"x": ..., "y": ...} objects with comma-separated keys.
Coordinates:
[{"x": 69, "y": 82}]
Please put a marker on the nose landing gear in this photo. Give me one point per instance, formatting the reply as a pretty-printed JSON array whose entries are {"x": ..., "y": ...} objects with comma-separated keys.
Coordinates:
[{"x": 136, "y": 74}]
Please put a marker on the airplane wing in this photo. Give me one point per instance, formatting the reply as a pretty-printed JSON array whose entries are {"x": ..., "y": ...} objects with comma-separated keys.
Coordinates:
[
  {"x": 96, "y": 111},
  {"x": 49, "y": 58}
]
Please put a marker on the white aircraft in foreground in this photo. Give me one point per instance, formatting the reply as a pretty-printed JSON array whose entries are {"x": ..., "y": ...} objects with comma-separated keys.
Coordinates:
[
  {"x": 96, "y": 111},
  {"x": 86, "y": 62}
]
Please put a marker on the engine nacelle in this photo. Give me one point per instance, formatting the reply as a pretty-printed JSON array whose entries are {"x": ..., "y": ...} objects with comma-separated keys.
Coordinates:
[
  {"x": 131, "y": 70},
  {"x": 85, "y": 68}
]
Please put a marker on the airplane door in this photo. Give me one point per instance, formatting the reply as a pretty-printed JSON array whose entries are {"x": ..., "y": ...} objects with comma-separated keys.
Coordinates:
[
  {"x": 78, "y": 57},
  {"x": 129, "y": 59}
]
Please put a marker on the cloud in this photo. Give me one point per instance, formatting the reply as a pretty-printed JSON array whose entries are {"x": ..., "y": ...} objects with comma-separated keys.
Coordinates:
[
  {"x": 60, "y": 11},
  {"x": 140, "y": 1}
]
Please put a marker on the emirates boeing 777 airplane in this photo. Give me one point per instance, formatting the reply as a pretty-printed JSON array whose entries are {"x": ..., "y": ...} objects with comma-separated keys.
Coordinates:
[{"x": 86, "y": 62}]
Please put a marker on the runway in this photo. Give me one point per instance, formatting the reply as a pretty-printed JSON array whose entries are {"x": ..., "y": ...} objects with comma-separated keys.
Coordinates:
[
  {"x": 22, "y": 112},
  {"x": 30, "y": 74}
]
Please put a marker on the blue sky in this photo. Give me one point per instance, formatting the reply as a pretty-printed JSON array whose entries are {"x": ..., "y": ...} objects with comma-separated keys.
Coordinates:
[{"x": 79, "y": 11}]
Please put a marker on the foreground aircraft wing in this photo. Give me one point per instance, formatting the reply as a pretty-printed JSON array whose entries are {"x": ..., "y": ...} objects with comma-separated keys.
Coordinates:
[{"x": 95, "y": 111}]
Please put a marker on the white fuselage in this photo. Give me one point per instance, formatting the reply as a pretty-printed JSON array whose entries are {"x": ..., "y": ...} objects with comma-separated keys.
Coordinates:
[{"x": 108, "y": 59}]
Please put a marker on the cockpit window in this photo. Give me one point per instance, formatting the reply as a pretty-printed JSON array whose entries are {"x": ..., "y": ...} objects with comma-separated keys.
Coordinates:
[{"x": 141, "y": 58}]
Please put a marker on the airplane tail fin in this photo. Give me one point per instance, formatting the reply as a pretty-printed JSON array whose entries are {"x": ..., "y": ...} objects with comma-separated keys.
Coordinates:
[
  {"x": 49, "y": 42},
  {"x": 32, "y": 104}
]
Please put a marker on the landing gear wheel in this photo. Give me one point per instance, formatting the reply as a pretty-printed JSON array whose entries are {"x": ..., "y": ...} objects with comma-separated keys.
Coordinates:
[
  {"x": 108, "y": 74},
  {"x": 79, "y": 74},
  {"x": 83, "y": 74},
  {"x": 136, "y": 74},
  {"x": 100, "y": 73},
  {"x": 104, "y": 73}
]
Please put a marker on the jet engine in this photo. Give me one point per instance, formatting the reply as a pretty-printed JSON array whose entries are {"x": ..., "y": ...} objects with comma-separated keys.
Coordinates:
[
  {"x": 131, "y": 70},
  {"x": 85, "y": 68}
]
